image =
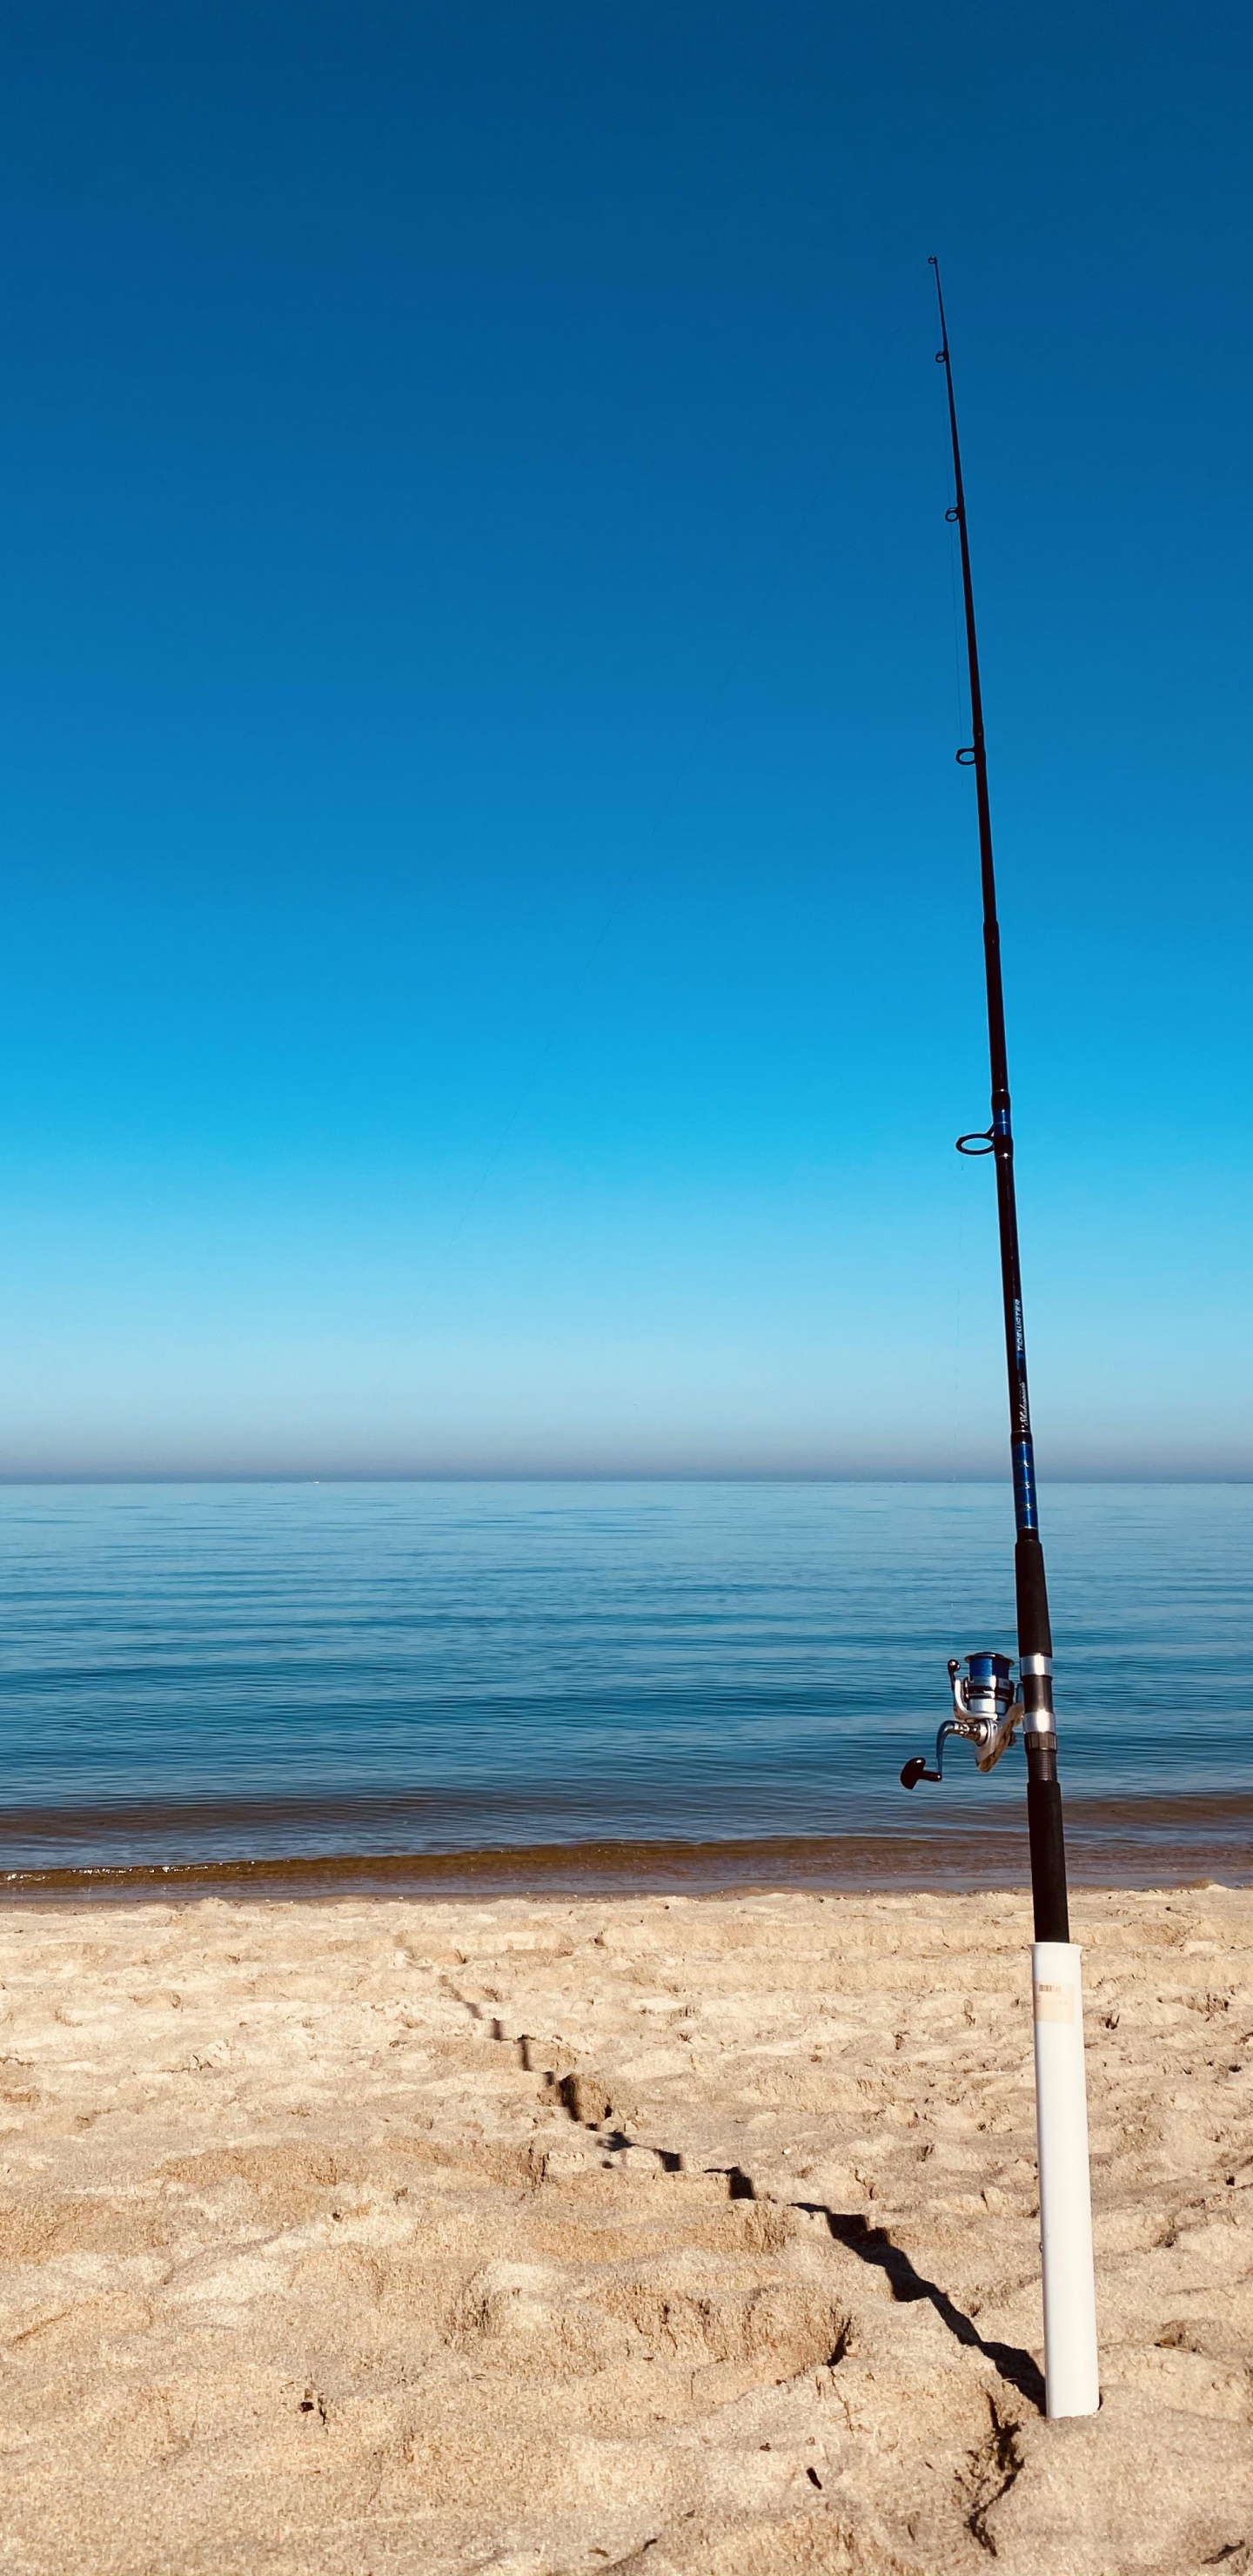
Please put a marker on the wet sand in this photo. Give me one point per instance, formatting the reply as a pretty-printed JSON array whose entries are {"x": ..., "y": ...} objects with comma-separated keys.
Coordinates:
[
  {"x": 1136, "y": 1841},
  {"x": 660, "y": 2233}
]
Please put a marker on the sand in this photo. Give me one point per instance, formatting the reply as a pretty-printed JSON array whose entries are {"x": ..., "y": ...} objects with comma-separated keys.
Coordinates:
[{"x": 689, "y": 2236}]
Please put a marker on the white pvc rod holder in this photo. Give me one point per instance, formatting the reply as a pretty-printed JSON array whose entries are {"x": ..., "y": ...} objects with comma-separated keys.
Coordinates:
[{"x": 1071, "y": 2380}]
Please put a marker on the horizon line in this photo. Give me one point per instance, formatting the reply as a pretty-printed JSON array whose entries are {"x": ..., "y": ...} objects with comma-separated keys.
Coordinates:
[{"x": 1110, "y": 1475}]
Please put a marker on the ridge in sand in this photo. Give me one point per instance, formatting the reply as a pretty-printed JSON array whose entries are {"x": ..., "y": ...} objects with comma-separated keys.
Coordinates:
[{"x": 685, "y": 2236}]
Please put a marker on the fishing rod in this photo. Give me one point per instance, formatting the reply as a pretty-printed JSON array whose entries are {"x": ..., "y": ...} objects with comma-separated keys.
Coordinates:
[{"x": 987, "y": 1709}]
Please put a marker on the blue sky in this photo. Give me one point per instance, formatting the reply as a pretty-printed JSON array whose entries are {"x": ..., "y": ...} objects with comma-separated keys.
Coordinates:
[{"x": 490, "y": 968}]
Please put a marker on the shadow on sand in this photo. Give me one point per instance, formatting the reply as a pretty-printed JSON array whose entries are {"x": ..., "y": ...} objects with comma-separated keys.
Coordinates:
[{"x": 871, "y": 2245}]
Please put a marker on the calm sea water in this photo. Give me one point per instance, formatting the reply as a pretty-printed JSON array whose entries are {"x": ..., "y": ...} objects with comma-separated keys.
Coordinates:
[{"x": 222, "y": 1673}]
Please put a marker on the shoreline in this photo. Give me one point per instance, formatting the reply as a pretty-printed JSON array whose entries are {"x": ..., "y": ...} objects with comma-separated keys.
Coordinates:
[{"x": 1147, "y": 1842}]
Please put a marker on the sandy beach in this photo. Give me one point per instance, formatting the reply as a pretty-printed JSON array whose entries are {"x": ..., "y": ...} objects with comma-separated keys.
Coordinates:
[{"x": 689, "y": 2234}]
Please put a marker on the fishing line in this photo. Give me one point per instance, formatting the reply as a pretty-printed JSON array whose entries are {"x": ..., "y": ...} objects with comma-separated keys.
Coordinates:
[{"x": 959, "y": 700}]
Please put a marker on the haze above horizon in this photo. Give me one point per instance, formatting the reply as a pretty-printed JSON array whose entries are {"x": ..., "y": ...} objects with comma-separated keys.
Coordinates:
[{"x": 491, "y": 963}]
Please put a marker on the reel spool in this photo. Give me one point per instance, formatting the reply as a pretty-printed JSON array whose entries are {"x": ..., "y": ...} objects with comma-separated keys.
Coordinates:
[{"x": 986, "y": 1710}]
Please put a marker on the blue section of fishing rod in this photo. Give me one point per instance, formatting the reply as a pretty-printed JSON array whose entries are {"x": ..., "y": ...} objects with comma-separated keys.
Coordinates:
[{"x": 1025, "y": 1514}]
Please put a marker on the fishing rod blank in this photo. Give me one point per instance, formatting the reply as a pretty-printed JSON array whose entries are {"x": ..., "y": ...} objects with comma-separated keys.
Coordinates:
[{"x": 987, "y": 1710}]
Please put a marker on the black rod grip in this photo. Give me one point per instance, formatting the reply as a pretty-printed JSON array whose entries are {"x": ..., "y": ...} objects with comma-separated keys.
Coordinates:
[
  {"x": 1048, "y": 1846},
  {"x": 1034, "y": 1637}
]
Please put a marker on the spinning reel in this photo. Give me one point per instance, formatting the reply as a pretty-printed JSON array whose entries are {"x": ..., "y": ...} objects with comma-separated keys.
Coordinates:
[{"x": 986, "y": 1711}]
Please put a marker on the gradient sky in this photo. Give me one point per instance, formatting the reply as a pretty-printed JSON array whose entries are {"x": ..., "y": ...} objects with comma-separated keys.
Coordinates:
[{"x": 490, "y": 966}]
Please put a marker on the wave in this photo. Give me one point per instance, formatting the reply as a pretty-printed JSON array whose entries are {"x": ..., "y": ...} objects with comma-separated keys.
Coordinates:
[{"x": 1112, "y": 1842}]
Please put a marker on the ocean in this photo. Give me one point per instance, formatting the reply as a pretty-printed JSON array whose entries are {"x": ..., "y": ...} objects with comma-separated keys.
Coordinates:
[{"x": 609, "y": 1683}]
